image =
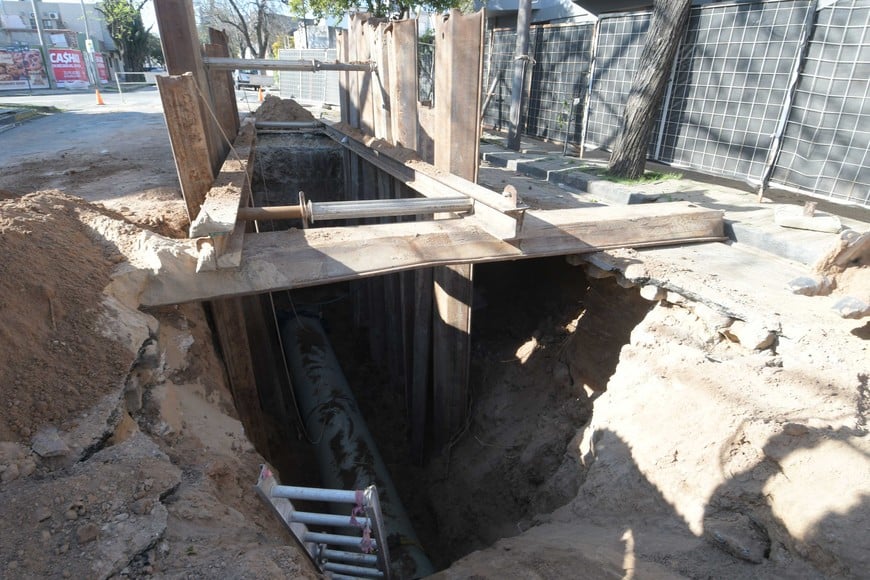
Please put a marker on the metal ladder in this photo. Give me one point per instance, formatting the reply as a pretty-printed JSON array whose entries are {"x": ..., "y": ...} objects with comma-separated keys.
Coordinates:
[{"x": 339, "y": 555}]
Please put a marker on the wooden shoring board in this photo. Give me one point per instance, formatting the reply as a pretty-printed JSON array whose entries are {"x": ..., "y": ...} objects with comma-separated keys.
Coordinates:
[
  {"x": 231, "y": 330},
  {"x": 222, "y": 87},
  {"x": 299, "y": 258},
  {"x": 187, "y": 135},
  {"x": 366, "y": 82},
  {"x": 343, "y": 76},
  {"x": 380, "y": 81},
  {"x": 218, "y": 216},
  {"x": 500, "y": 217},
  {"x": 458, "y": 77},
  {"x": 401, "y": 44},
  {"x": 180, "y": 41}
]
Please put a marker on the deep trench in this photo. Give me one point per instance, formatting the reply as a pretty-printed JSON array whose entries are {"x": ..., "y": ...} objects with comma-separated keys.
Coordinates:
[{"x": 545, "y": 340}]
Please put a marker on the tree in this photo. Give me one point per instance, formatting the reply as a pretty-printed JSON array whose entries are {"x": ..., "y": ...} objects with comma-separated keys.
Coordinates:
[
  {"x": 124, "y": 21},
  {"x": 668, "y": 24},
  {"x": 155, "y": 50},
  {"x": 251, "y": 25},
  {"x": 381, "y": 8}
]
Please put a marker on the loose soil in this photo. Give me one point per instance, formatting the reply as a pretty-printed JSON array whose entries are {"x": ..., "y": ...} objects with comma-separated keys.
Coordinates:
[
  {"x": 610, "y": 436},
  {"x": 51, "y": 284},
  {"x": 277, "y": 109}
]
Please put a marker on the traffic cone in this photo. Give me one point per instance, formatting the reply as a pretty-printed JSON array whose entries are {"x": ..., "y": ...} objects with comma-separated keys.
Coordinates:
[
  {"x": 260, "y": 94},
  {"x": 100, "y": 98}
]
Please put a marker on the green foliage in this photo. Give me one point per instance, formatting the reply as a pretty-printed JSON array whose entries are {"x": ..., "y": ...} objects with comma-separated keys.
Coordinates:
[
  {"x": 380, "y": 8},
  {"x": 155, "y": 50},
  {"x": 124, "y": 21}
]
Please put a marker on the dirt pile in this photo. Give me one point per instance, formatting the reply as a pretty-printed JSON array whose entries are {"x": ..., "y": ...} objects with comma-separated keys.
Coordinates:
[
  {"x": 120, "y": 452},
  {"x": 723, "y": 447},
  {"x": 277, "y": 109},
  {"x": 51, "y": 282}
]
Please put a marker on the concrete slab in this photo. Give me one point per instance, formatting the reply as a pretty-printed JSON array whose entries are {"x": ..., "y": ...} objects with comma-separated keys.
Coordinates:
[{"x": 748, "y": 221}]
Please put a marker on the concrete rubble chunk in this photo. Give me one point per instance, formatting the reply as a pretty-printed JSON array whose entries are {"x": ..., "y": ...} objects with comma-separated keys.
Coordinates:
[
  {"x": 851, "y": 307},
  {"x": 791, "y": 216},
  {"x": 653, "y": 293},
  {"x": 737, "y": 535},
  {"x": 48, "y": 443},
  {"x": 751, "y": 335},
  {"x": 811, "y": 285}
]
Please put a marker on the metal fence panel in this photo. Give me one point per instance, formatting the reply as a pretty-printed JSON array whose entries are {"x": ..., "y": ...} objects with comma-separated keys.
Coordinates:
[
  {"x": 562, "y": 56},
  {"x": 620, "y": 42},
  {"x": 319, "y": 87},
  {"x": 498, "y": 61},
  {"x": 730, "y": 85},
  {"x": 827, "y": 136}
]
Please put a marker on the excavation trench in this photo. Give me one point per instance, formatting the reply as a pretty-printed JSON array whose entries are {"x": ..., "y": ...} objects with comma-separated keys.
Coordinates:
[{"x": 545, "y": 340}]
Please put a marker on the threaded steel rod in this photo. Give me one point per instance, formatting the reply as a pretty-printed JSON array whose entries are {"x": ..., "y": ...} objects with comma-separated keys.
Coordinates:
[
  {"x": 348, "y": 210},
  {"x": 224, "y": 63}
]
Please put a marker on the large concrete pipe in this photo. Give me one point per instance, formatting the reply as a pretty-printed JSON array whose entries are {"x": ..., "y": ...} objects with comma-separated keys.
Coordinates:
[{"x": 346, "y": 452}]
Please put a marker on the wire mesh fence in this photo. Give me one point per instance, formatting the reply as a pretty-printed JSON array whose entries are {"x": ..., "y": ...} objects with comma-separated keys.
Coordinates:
[
  {"x": 620, "y": 41},
  {"x": 753, "y": 83},
  {"x": 319, "y": 87},
  {"x": 827, "y": 136},
  {"x": 731, "y": 81}
]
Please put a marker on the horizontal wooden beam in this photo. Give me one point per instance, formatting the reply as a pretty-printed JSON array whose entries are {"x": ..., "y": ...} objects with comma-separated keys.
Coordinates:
[
  {"x": 498, "y": 215},
  {"x": 231, "y": 190},
  {"x": 298, "y": 258}
]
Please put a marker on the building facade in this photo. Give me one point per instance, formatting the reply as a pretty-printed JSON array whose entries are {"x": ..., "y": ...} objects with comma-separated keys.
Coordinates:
[{"x": 63, "y": 57}]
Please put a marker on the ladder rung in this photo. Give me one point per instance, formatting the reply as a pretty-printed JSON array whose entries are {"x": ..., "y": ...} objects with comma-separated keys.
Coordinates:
[
  {"x": 335, "y": 539},
  {"x": 358, "y": 570},
  {"x": 314, "y": 494},
  {"x": 316, "y": 519},
  {"x": 351, "y": 557}
]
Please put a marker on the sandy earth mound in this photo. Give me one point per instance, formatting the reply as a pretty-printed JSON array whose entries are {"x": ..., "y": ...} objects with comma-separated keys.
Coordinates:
[{"x": 120, "y": 452}]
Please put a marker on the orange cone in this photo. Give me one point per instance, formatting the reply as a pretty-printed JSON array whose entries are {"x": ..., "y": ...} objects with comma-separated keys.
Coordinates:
[
  {"x": 260, "y": 94},
  {"x": 100, "y": 98}
]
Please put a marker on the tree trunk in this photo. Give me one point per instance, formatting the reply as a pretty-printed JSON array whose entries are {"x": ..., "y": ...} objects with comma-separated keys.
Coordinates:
[
  {"x": 669, "y": 20},
  {"x": 521, "y": 61}
]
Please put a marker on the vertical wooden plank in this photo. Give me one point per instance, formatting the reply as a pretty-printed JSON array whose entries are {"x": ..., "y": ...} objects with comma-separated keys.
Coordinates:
[
  {"x": 344, "y": 76},
  {"x": 421, "y": 370},
  {"x": 354, "y": 77},
  {"x": 267, "y": 359},
  {"x": 458, "y": 69},
  {"x": 364, "y": 54},
  {"x": 232, "y": 336},
  {"x": 458, "y": 77},
  {"x": 222, "y": 86},
  {"x": 187, "y": 135},
  {"x": 181, "y": 49},
  {"x": 401, "y": 43},
  {"x": 380, "y": 81}
]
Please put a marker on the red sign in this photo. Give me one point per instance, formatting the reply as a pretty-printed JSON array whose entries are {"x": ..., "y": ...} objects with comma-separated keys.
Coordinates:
[
  {"x": 69, "y": 67},
  {"x": 102, "y": 71}
]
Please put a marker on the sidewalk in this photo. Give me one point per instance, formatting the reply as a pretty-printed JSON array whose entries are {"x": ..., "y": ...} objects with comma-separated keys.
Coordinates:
[{"x": 747, "y": 221}]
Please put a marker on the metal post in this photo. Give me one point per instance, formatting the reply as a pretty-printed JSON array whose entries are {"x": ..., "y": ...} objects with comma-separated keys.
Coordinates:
[
  {"x": 521, "y": 59},
  {"x": 89, "y": 53},
  {"x": 118, "y": 82},
  {"x": 52, "y": 83}
]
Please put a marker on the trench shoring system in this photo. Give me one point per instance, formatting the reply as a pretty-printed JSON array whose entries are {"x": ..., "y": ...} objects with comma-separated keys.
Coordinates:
[{"x": 403, "y": 160}]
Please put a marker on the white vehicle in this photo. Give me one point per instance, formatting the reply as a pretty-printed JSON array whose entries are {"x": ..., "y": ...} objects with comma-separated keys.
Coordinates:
[{"x": 243, "y": 79}]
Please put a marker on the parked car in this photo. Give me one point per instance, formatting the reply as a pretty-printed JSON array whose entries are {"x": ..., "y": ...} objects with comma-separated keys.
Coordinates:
[{"x": 243, "y": 79}]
